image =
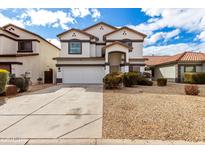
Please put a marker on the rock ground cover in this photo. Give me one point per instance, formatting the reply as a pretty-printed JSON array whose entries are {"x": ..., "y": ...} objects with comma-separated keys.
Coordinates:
[{"x": 157, "y": 113}]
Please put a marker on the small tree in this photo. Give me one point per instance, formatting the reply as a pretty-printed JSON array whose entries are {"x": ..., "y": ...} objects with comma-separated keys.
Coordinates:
[
  {"x": 112, "y": 81},
  {"x": 191, "y": 90},
  {"x": 130, "y": 79},
  {"x": 161, "y": 81},
  {"x": 4, "y": 76}
]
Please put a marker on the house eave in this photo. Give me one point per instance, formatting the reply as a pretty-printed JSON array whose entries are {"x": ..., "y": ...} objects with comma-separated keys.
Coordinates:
[
  {"x": 79, "y": 58},
  {"x": 19, "y": 55}
]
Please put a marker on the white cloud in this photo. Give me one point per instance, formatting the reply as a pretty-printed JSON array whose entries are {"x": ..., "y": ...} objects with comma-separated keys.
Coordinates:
[
  {"x": 95, "y": 14},
  {"x": 6, "y": 20},
  {"x": 174, "y": 49},
  {"x": 44, "y": 17},
  {"x": 201, "y": 36},
  {"x": 54, "y": 41},
  {"x": 152, "y": 12},
  {"x": 161, "y": 35},
  {"x": 187, "y": 19},
  {"x": 83, "y": 12},
  {"x": 55, "y": 19},
  {"x": 80, "y": 12}
]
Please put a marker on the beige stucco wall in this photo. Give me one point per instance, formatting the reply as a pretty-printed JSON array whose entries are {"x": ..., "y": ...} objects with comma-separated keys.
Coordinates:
[
  {"x": 137, "y": 46},
  {"x": 99, "y": 50},
  {"x": 137, "y": 50},
  {"x": 69, "y": 35},
  {"x": 86, "y": 46},
  {"x": 93, "y": 50},
  {"x": 119, "y": 35},
  {"x": 36, "y": 65},
  {"x": 48, "y": 52},
  {"x": 96, "y": 31},
  {"x": 30, "y": 64},
  {"x": 22, "y": 34},
  {"x": 84, "y": 61},
  {"x": 168, "y": 71},
  {"x": 8, "y": 46},
  {"x": 118, "y": 48},
  {"x": 85, "y": 50},
  {"x": 8, "y": 34}
]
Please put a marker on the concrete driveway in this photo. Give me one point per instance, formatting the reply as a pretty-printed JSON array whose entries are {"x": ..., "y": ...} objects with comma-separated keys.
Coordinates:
[{"x": 58, "y": 112}]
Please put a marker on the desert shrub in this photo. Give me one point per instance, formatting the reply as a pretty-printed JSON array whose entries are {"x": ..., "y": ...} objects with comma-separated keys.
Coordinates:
[
  {"x": 21, "y": 83},
  {"x": 112, "y": 80},
  {"x": 143, "y": 81},
  {"x": 130, "y": 79},
  {"x": 161, "y": 81},
  {"x": 146, "y": 75},
  {"x": 4, "y": 76},
  {"x": 40, "y": 80},
  {"x": 191, "y": 89},
  {"x": 194, "y": 77},
  {"x": 148, "y": 83}
]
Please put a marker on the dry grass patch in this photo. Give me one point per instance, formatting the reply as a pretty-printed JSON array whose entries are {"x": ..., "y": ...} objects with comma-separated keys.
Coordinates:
[{"x": 135, "y": 114}]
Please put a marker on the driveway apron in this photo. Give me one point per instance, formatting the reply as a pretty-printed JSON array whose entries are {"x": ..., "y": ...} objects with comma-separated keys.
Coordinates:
[{"x": 57, "y": 112}]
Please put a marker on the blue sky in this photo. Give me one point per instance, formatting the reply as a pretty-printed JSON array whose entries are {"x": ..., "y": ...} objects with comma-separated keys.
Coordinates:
[{"x": 169, "y": 31}]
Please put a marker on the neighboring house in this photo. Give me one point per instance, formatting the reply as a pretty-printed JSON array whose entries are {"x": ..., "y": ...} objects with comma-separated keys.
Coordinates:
[
  {"x": 174, "y": 67},
  {"x": 88, "y": 55},
  {"x": 22, "y": 51}
]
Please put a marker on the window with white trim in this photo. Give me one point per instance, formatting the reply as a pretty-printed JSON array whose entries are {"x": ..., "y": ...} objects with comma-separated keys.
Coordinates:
[{"x": 75, "y": 48}]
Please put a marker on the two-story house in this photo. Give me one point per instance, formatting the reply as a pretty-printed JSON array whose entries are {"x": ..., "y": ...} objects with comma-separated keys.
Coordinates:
[
  {"x": 88, "y": 55},
  {"x": 22, "y": 51}
]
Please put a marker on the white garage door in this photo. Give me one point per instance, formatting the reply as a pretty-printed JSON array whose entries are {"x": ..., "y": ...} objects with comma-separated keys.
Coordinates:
[{"x": 85, "y": 74}]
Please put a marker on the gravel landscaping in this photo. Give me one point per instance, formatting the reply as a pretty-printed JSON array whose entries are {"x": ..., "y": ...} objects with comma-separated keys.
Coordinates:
[{"x": 162, "y": 113}]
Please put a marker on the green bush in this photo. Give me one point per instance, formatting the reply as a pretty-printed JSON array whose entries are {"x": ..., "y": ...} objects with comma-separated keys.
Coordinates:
[
  {"x": 112, "y": 80},
  {"x": 143, "y": 81},
  {"x": 195, "y": 77},
  {"x": 147, "y": 75},
  {"x": 130, "y": 79},
  {"x": 191, "y": 90},
  {"x": 21, "y": 83},
  {"x": 4, "y": 76},
  {"x": 161, "y": 81}
]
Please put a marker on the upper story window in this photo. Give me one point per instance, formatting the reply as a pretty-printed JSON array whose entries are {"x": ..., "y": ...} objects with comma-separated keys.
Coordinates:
[
  {"x": 25, "y": 46},
  {"x": 75, "y": 48}
]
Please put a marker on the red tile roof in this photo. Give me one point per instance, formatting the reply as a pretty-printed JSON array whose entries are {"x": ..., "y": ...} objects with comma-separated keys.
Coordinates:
[
  {"x": 193, "y": 56},
  {"x": 153, "y": 60},
  {"x": 182, "y": 57}
]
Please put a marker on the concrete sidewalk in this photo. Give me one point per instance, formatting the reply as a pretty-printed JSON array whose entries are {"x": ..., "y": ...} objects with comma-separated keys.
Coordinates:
[
  {"x": 56, "y": 112},
  {"x": 92, "y": 142}
]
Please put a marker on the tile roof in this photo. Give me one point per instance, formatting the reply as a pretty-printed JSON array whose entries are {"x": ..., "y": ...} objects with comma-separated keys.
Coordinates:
[
  {"x": 153, "y": 60},
  {"x": 182, "y": 57}
]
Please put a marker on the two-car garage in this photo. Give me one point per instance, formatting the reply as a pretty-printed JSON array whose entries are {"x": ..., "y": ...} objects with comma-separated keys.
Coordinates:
[{"x": 83, "y": 74}]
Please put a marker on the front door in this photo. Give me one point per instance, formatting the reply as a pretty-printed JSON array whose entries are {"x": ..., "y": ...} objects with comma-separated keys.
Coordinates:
[
  {"x": 116, "y": 59},
  {"x": 114, "y": 68},
  {"x": 48, "y": 76}
]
